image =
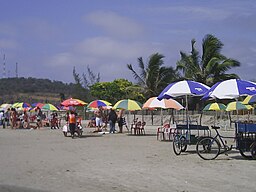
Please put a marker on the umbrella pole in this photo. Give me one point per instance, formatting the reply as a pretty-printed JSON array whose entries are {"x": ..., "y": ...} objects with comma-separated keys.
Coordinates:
[
  {"x": 237, "y": 118},
  {"x": 162, "y": 116},
  {"x": 214, "y": 118},
  {"x": 187, "y": 109}
]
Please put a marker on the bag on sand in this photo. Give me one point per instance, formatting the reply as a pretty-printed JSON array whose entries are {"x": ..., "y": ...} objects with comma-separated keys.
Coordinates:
[{"x": 65, "y": 128}]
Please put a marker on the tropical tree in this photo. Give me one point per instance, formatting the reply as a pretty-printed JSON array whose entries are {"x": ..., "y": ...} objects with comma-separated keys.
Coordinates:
[
  {"x": 153, "y": 77},
  {"x": 114, "y": 91},
  {"x": 211, "y": 66}
]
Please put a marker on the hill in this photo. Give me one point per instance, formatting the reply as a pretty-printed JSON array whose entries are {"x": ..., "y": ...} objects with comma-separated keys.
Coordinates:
[{"x": 34, "y": 90}]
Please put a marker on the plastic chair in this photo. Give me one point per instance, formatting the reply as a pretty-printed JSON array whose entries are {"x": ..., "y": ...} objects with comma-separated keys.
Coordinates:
[
  {"x": 142, "y": 128},
  {"x": 136, "y": 128}
]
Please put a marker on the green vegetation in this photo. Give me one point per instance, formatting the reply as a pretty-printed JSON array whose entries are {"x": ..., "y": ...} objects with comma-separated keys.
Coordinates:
[
  {"x": 34, "y": 90},
  {"x": 211, "y": 67},
  {"x": 153, "y": 77}
]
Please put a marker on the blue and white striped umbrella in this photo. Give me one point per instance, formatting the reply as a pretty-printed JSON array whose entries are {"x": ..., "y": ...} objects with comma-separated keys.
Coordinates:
[
  {"x": 183, "y": 88},
  {"x": 231, "y": 89}
]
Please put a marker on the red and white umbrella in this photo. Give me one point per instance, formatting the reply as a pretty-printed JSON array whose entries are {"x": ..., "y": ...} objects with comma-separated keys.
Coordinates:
[
  {"x": 73, "y": 102},
  {"x": 153, "y": 102}
]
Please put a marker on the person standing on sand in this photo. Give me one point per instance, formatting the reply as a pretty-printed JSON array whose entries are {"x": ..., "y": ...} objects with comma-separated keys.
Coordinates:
[
  {"x": 98, "y": 119},
  {"x": 112, "y": 117},
  {"x": 120, "y": 120},
  {"x": 72, "y": 123},
  {"x": 13, "y": 116}
]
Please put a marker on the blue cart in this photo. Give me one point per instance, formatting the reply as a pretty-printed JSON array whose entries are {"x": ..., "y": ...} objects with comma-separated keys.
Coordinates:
[{"x": 246, "y": 139}]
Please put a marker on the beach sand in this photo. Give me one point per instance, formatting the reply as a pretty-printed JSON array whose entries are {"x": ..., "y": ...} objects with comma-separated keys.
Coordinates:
[{"x": 46, "y": 161}]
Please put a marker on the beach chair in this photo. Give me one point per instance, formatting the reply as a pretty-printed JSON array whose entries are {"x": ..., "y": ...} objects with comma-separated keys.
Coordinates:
[{"x": 142, "y": 128}]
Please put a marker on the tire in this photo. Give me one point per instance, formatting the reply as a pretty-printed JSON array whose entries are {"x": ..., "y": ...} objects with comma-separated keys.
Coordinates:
[
  {"x": 208, "y": 148},
  {"x": 183, "y": 144},
  {"x": 245, "y": 154},
  {"x": 253, "y": 150},
  {"x": 179, "y": 144}
]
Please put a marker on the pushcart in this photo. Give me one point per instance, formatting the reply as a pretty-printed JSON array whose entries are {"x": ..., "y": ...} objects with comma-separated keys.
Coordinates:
[
  {"x": 209, "y": 148},
  {"x": 188, "y": 134},
  {"x": 246, "y": 139}
]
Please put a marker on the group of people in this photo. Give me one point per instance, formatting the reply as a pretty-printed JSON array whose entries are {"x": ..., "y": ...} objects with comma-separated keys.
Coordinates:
[
  {"x": 11, "y": 117},
  {"x": 112, "y": 118},
  {"x": 74, "y": 122},
  {"x": 23, "y": 119}
]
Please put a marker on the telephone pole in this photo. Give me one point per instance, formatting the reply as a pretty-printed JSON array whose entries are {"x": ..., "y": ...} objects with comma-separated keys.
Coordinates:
[
  {"x": 16, "y": 70},
  {"x": 4, "y": 73}
]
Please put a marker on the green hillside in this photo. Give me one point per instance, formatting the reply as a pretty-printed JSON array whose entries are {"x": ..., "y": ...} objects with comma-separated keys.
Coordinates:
[{"x": 34, "y": 90}]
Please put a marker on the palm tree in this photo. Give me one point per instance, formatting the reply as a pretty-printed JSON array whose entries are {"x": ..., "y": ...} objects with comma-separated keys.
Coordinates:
[
  {"x": 153, "y": 77},
  {"x": 211, "y": 67}
]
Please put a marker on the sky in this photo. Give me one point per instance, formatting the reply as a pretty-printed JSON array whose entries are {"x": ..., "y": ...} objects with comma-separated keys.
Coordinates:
[{"x": 47, "y": 38}]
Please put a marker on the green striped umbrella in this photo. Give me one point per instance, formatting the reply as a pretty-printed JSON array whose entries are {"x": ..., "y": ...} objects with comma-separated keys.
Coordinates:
[
  {"x": 128, "y": 104},
  {"x": 214, "y": 107}
]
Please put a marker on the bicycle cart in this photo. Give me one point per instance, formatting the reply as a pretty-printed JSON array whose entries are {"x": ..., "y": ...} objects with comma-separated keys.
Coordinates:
[
  {"x": 188, "y": 134},
  {"x": 246, "y": 139},
  {"x": 209, "y": 148}
]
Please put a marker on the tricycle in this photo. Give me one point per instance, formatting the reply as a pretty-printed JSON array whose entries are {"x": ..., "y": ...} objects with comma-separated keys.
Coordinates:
[
  {"x": 209, "y": 148},
  {"x": 188, "y": 134}
]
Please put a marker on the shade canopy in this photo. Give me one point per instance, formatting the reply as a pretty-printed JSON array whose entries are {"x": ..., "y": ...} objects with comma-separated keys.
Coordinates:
[
  {"x": 128, "y": 104},
  {"x": 237, "y": 105},
  {"x": 183, "y": 88},
  {"x": 98, "y": 103},
  {"x": 231, "y": 89},
  {"x": 153, "y": 102},
  {"x": 73, "y": 102},
  {"x": 214, "y": 107}
]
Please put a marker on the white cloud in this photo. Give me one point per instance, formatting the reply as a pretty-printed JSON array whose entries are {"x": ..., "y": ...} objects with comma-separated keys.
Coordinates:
[
  {"x": 105, "y": 47},
  {"x": 115, "y": 24},
  {"x": 61, "y": 60}
]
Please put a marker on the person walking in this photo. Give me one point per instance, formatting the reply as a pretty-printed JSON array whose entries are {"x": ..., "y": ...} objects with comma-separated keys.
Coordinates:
[
  {"x": 112, "y": 117},
  {"x": 72, "y": 123}
]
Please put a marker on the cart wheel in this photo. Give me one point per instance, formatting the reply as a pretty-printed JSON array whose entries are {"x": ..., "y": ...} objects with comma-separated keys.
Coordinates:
[
  {"x": 65, "y": 134},
  {"x": 246, "y": 154},
  {"x": 253, "y": 150},
  {"x": 184, "y": 145},
  {"x": 179, "y": 144},
  {"x": 208, "y": 148}
]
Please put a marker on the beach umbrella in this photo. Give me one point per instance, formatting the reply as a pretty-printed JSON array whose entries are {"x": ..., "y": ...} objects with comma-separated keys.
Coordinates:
[
  {"x": 5, "y": 106},
  {"x": 128, "y": 104},
  {"x": 252, "y": 100},
  {"x": 237, "y": 105},
  {"x": 49, "y": 107},
  {"x": 98, "y": 103},
  {"x": 21, "y": 105},
  {"x": 37, "y": 105},
  {"x": 184, "y": 88},
  {"x": 231, "y": 89},
  {"x": 214, "y": 107},
  {"x": 73, "y": 102},
  {"x": 153, "y": 102}
]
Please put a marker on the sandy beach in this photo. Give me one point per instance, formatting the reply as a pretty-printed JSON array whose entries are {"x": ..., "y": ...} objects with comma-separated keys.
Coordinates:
[{"x": 44, "y": 160}]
